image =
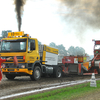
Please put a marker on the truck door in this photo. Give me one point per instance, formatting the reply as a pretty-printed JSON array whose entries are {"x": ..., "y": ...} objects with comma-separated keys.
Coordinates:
[{"x": 31, "y": 57}]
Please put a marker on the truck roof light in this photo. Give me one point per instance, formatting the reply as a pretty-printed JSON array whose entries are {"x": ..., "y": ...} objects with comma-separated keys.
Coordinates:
[
  {"x": 26, "y": 35},
  {"x": 14, "y": 34}
]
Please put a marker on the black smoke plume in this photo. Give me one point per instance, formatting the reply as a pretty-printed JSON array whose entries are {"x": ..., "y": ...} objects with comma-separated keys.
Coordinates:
[
  {"x": 19, "y": 4},
  {"x": 86, "y": 11},
  {"x": 82, "y": 15}
]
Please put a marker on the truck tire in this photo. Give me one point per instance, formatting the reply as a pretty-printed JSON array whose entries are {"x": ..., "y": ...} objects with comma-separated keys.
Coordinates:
[
  {"x": 57, "y": 72},
  {"x": 36, "y": 73},
  {"x": 10, "y": 77}
]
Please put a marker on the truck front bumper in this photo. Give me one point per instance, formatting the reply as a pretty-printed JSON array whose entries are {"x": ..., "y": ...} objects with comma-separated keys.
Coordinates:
[{"x": 17, "y": 70}]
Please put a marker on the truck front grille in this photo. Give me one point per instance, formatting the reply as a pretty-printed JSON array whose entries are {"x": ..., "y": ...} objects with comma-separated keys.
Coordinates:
[
  {"x": 10, "y": 69},
  {"x": 19, "y": 58}
]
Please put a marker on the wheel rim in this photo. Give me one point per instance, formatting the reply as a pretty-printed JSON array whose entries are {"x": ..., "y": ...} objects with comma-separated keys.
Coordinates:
[
  {"x": 37, "y": 73},
  {"x": 59, "y": 73}
]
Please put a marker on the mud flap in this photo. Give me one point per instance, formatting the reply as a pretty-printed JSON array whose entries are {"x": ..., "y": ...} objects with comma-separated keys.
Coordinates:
[{"x": 79, "y": 69}]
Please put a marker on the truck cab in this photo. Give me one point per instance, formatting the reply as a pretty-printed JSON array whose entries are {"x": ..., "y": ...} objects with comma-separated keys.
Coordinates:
[{"x": 24, "y": 48}]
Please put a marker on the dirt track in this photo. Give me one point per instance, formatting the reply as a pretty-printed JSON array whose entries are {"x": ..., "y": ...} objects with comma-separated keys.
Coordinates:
[{"x": 22, "y": 84}]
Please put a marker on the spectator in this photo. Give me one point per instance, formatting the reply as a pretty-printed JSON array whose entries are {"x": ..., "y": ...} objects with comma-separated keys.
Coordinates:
[{"x": 1, "y": 61}]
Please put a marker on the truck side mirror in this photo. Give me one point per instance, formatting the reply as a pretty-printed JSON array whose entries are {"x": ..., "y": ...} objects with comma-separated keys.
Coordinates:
[{"x": 32, "y": 46}]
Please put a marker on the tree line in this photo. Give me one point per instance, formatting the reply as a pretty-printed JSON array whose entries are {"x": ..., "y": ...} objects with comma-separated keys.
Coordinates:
[{"x": 72, "y": 51}]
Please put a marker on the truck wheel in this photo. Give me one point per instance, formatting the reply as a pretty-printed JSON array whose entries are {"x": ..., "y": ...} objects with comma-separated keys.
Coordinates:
[
  {"x": 10, "y": 77},
  {"x": 58, "y": 72},
  {"x": 36, "y": 73}
]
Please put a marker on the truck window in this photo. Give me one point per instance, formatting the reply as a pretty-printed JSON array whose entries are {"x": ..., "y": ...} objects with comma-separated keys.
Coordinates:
[
  {"x": 29, "y": 42},
  {"x": 97, "y": 47},
  {"x": 13, "y": 45}
]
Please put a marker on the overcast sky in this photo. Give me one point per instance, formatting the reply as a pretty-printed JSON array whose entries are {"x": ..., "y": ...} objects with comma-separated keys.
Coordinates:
[{"x": 44, "y": 20}]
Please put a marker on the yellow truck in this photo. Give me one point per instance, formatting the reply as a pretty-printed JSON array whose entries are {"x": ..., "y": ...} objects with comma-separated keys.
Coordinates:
[{"x": 34, "y": 60}]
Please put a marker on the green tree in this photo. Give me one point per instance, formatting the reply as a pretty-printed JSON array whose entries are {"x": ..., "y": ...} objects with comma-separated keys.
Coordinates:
[
  {"x": 5, "y": 33},
  {"x": 71, "y": 50},
  {"x": 61, "y": 49},
  {"x": 39, "y": 42},
  {"x": 76, "y": 51},
  {"x": 52, "y": 44}
]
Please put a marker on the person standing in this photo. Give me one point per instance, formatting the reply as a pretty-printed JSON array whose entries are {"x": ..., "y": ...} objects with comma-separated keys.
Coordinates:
[{"x": 1, "y": 61}]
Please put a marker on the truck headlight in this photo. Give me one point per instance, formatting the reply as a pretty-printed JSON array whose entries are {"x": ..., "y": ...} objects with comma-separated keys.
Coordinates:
[
  {"x": 3, "y": 66},
  {"x": 22, "y": 66}
]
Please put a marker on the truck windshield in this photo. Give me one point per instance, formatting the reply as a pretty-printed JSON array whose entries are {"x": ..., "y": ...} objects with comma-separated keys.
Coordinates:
[
  {"x": 97, "y": 47},
  {"x": 13, "y": 45}
]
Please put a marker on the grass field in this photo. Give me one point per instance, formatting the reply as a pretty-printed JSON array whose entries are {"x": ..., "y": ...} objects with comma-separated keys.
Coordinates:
[{"x": 76, "y": 92}]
